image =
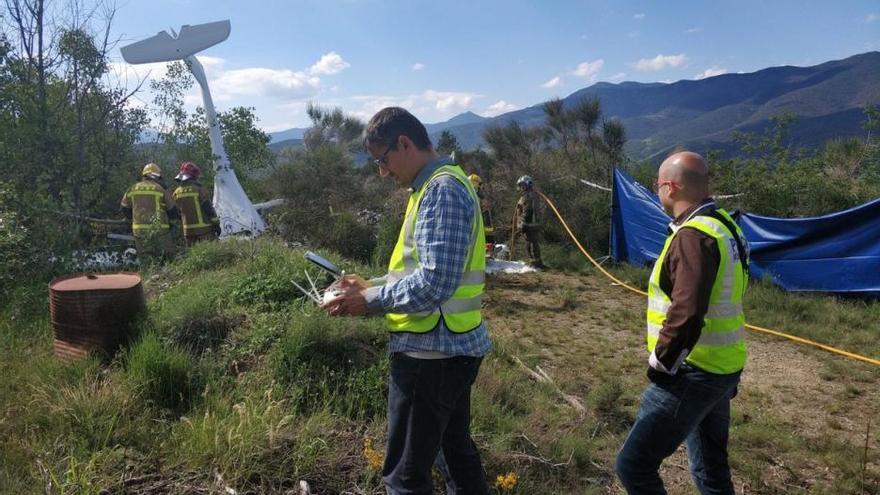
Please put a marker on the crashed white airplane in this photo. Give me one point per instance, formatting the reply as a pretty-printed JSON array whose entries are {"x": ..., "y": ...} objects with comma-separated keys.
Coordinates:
[{"x": 237, "y": 213}]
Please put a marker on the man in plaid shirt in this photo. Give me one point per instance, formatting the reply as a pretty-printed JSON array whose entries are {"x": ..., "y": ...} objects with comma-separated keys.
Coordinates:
[{"x": 433, "y": 365}]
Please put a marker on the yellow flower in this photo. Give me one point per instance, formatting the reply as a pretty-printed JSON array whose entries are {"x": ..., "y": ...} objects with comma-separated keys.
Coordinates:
[
  {"x": 507, "y": 481},
  {"x": 374, "y": 458}
]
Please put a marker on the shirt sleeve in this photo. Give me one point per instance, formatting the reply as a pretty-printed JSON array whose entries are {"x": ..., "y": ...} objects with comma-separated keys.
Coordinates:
[
  {"x": 443, "y": 234},
  {"x": 687, "y": 276}
]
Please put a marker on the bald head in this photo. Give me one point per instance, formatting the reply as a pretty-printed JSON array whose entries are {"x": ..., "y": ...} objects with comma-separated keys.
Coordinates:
[{"x": 690, "y": 170}]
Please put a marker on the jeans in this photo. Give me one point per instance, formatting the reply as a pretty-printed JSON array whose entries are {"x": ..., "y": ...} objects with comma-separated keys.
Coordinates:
[
  {"x": 692, "y": 405},
  {"x": 429, "y": 403}
]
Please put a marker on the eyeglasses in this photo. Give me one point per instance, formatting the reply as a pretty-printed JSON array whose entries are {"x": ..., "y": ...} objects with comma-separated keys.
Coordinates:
[
  {"x": 384, "y": 159},
  {"x": 660, "y": 183}
]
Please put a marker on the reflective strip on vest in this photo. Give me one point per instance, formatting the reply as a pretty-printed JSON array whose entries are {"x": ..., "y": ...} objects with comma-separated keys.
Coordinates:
[
  {"x": 148, "y": 190},
  {"x": 467, "y": 278},
  {"x": 191, "y": 193},
  {"x": 461, "y": 313},
  {"x": 706, "y": 338},
  {"x": 721, "y": 347}
]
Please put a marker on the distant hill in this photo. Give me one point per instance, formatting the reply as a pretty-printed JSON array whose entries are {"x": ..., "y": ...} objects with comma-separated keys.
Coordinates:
[
  {"x": 462, "y": 119},
  {"x": 285, "y": 143},
  {"x": 297, "y": 134},
  {"x": 702, "y": 114},
  {"x": 294, "y": 133}
]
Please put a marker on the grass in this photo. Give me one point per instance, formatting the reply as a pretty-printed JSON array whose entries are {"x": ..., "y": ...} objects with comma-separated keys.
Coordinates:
[{"x": 236, "y": 381}]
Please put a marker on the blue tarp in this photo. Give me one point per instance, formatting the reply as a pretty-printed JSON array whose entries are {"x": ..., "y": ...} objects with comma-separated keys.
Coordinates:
[{"x": 839, "y": 252}]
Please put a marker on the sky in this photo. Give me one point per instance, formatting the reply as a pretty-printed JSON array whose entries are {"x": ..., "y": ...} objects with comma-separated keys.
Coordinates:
[{"x": 439, "y": 59}]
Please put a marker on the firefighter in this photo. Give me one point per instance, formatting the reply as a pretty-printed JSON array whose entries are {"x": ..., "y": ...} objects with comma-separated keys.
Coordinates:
[
  {"x": 528, "y": 221},
  {"x": 197, "y": 216},
  {"x": 477, "y": 182},
  {"x": 150, "y": 207}
]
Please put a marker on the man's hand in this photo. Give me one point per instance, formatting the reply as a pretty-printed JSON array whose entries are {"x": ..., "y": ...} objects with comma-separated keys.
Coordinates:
[
  {"x": 351, "y": 281},
  {"x": 350, "y": 303}
]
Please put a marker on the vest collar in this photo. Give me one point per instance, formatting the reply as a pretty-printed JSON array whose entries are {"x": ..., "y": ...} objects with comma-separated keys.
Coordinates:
[
  {"x": 427, "y": 171},
  {"x": 695, "y": 210}
]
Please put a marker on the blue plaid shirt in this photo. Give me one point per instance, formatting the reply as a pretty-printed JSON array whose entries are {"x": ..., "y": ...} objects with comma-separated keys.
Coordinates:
[{"x": 443, "y": 237}]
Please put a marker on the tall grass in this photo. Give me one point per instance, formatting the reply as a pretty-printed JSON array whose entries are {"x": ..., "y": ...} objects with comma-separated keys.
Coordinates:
[{"x": 162, "y": 376}]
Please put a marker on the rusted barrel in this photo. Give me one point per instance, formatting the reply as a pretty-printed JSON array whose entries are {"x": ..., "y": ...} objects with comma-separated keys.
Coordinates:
[{"x": 94, "y": 313}]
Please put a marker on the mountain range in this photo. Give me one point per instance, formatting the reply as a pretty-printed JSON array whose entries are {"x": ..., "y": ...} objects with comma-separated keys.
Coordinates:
[{"x": 702, "y": 114}]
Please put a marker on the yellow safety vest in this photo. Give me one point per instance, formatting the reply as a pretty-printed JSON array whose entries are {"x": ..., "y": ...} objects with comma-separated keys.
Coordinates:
[
  {"x": 192, "y": 216},
  {"x": 148, "y": 206},
  {"x": 461, "y": 313},
  {"x": 721, "y": 348}
]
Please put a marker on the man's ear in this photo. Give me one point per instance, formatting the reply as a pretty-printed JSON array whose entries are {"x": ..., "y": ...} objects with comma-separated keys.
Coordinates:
[{"x": 404, "y": 142}]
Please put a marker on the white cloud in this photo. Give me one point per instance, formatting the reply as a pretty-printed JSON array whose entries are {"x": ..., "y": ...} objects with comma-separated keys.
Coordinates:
[
  {"x": 274, "y": 83},
  {"x": 418, "y": 66},
  {"x": 436, "y": 104},
  {"x": 640, "y": 16},
  {"x": 873, "y": 16},
  {"x": 710, "y": 72},
  {"x": 552, "y": 83},
  {"x": 632, "y": 35},
  {"x": 330, "y": 63},
  {"x": 498, "y": 108},
  {"x": 259, "y": 81},
  {"x": 365, "y": 106},
  {"x": 620, "y": 76},
  {"x": 209, "y": 62},
  {"x": 589, "y": 70},
  {"x": 446, "y": 101},
  {"x": 695, "y": 30},
  {"x": 660, "y": 62}
]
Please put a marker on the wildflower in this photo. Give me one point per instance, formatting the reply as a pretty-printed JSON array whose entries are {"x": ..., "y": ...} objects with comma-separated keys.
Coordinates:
[
  {"x": 506, "y": 482},
  {"x": 374, "y": 458}
]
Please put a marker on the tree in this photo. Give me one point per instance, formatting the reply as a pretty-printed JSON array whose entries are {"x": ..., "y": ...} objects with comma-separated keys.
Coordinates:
[
  {"x": 559, "y": 125},
  {"x": 513, "y": 145},
  {"x": 585, "y": 114},
  {"x": 613, "y": 138},
  {"x": 448, "y": 143},
  {"x": 772, "y": 145},
  {"x": 334, "y": 127},
  {"x": 68, "y": 132},
  {"x": 329, "y": 196}
]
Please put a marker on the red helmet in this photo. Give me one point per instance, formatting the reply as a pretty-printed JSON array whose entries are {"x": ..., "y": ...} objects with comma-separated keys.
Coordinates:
[{"x": 188, "y": 170}]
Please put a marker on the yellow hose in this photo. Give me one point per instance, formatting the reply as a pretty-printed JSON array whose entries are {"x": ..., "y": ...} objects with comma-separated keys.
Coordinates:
[{"x": 777, "y": 333}]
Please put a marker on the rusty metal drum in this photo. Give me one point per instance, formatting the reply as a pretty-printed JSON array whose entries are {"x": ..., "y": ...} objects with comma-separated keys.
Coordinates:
[{"x": 94, "y": 313}]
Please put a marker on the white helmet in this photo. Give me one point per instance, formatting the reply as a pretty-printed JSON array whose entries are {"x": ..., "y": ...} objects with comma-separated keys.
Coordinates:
[{"x": 526, "y": 181}]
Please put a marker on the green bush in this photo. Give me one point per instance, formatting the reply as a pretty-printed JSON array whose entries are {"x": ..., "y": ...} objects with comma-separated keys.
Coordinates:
[
  {"x": 564, "y": 257},
  {"x": 162, "y": 375},
  {"x": 387, "y": 232},
  {"x": 333, "y": 363},
  {"x": 262, "y": 288},
  {"x": 203, "y": 295},
  {"x": 213, "y": 255},
  {"x": 345, "y": 234}
]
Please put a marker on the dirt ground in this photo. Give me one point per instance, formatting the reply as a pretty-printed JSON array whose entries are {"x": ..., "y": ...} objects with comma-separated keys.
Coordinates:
[{"x": 582, "y": 329}]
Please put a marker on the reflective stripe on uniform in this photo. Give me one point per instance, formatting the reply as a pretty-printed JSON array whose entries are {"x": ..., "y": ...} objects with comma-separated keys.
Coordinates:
[{"x": 720, "y": 348}]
